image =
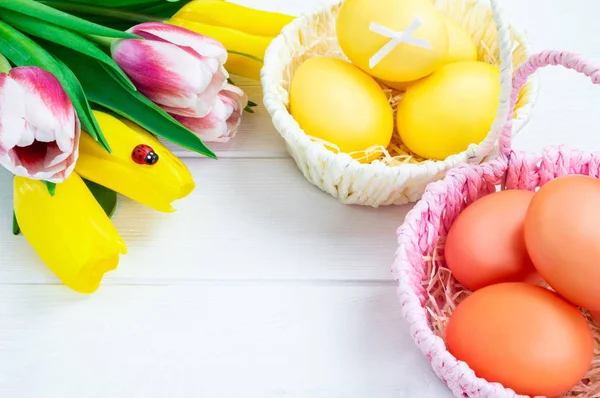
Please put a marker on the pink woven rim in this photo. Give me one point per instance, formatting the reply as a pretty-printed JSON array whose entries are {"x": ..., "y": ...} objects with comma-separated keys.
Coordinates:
[
  {"x": 537, "y": 61},
  {"x": 443, "y": 200}
]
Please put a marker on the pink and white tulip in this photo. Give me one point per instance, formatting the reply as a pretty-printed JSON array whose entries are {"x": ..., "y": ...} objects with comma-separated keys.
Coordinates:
[
  {"x": 180, "y": 70},
  {"x": 222, "y": 123},
  {"x": 39, "y": 128}
]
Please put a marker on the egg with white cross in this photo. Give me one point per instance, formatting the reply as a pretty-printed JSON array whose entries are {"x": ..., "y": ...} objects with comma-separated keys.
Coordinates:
[{"x": 393, "y": 40}]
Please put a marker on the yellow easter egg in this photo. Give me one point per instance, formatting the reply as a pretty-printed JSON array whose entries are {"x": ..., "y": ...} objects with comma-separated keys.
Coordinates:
[
  {"x": 334, "y": 101},
  {"x": 450, "y": 109},
  {"x": 365, "y": 27},
  {"x": 461, "y": 46}
]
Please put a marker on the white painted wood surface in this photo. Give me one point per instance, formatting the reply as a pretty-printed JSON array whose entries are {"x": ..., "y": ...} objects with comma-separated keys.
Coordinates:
[{"x": 261, "y": 285}]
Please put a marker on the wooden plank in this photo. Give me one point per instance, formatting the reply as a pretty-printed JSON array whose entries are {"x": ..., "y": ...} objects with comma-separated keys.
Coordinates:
[
  {"x": 247, "y": 219},
  {"x": 210, "y": 340}
]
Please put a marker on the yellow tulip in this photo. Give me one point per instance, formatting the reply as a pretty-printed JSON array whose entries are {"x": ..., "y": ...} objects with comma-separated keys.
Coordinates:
[
  {"x": 234, "y": 16},
  {"x": 154, "y": 185},
  {"x": 69, "y": 231},
  {"x": 233, "y": 40}
]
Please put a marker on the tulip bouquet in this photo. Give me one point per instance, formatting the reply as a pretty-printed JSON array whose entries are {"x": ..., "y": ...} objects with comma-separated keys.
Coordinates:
[
  {"x": 89, "y": 93},
  {"x": 244, "y": 31}
]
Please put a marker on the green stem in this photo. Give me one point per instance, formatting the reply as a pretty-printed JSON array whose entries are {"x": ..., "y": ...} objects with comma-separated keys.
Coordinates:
[
  {"x": 245, "y": 55},
  {"x": 102, "y": 11},
  {"x": 4, "y": 64},
  {"x": 101, "y": 40}
]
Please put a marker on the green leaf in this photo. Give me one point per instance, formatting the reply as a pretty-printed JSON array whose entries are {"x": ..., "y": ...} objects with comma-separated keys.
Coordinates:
[
  {"x": 89, "y": 124},
  {"x": 164, "y": 9},
  {"x": 51, "y": 187},
  {"x": 16, "y": 230},
  {"x": 46, "y": 13},
  {"x": 107, "y": 198},
  {"x": 101, "y": 15},
  {"x": 128, "y": 3},
  {"x": 64, "y": 37},
  {"x": 115, "y": 24},
  {"x": 251, "y": 104},
  {"x": 120, "y": 14},
  {"x": 23, "y": 51},
  {"x": 102, "y": 89},
  {"x": 4, "y": 64},
  {"x": 112, "y": 74}
]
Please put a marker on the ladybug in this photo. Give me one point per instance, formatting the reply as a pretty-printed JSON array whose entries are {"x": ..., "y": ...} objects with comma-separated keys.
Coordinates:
[{"x": 144, "y": 154}]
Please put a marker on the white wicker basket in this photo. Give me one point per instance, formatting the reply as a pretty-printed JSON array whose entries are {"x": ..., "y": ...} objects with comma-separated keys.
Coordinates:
[{"x": 375, "y": 184}]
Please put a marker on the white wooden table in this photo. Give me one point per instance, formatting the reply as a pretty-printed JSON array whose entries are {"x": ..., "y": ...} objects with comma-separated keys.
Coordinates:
[{"x": 260, "y": 285}]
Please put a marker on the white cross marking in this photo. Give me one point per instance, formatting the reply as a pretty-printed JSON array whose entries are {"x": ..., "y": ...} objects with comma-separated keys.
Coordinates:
[{"x": 397, "y": 38}]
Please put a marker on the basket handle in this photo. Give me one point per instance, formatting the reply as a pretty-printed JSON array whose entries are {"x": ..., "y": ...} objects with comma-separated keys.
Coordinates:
[
  {"x": 476, "y": 153},
  {"x": 537, "y": 61}
]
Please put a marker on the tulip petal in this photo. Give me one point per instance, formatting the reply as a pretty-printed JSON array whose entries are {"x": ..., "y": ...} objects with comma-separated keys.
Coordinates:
[
  {"x": 27, "y": 137},
  {"x": 44, "y": 89},
  {"x": 204, "y": 101},
  {"x": 168, "y": 75},
  {"x": 237, "y": 99},
  {"x": 40, "y": 130},
  {"x": 221, "y": 124},
  {"x": 178, "y": 69},
  {"x": 43, "y": 160},
  {"x": 156, "y": 186},
  {"x": 211, "y": 128},
  {"x": 203, "y": 46},
  {"x": 69, "y": 231},
  {"x": 12, "y": 111}
]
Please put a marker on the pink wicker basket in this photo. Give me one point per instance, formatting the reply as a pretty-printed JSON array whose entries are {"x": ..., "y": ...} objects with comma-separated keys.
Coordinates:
[{"x": 424, "y": 284}]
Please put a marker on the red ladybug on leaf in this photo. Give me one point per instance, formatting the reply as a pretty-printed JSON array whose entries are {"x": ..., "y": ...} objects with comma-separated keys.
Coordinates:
[{"x": 144, "y": 154}]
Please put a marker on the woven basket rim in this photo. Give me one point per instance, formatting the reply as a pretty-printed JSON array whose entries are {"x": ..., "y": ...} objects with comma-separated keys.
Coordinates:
[
  {"x": 420, "y": 329},
  {"x": 293, "y": 133}
]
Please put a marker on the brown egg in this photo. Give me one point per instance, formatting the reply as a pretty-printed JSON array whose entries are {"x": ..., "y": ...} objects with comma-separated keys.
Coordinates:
[
  {"x": 485, "y": 244},
  {"x": 562, "y": 234},
  {"x": 523, "y": 336}
]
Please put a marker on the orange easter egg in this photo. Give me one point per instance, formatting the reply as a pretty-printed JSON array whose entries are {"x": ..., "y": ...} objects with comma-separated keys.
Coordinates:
[
  {"x": 525, "y": 337},
  {"x": 486, "y": 244},
  {"x": 562, "y": 235}
]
